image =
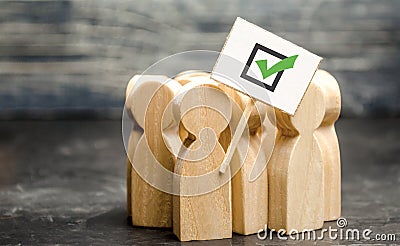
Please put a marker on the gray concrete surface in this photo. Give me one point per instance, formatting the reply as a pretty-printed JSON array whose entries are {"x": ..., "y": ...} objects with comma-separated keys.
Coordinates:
[{"x": 63, "y": 182}]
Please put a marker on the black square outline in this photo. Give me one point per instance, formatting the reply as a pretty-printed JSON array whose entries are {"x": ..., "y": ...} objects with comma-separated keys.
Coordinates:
[{"x": 244, "y": 75}]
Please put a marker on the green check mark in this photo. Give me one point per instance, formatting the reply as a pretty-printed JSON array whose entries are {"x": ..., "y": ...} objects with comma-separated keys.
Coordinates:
[{"x": 280, "y": 66}]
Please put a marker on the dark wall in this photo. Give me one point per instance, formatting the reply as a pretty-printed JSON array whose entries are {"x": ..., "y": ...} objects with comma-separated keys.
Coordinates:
[{"x": 63, "y": 58}]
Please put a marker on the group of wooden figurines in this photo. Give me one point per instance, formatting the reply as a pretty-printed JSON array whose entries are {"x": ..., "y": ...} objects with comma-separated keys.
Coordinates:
[{"x": 298, "y": 188}]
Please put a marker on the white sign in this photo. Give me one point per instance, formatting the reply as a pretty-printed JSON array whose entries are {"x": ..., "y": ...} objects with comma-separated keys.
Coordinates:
[{"x": 265, "y": 66}]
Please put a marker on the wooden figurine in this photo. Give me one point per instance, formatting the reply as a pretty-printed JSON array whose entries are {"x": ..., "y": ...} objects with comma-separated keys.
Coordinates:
[
  {"x": 187, "y": 76},
  {"x": 147, "y": 101},
  {"x": 249, "y": 194},
  {"x": 135, "y": 134},
  {"x": 298, "y": 191},
  {"x": 204, "y": 111},
  {"x": 295, "y": 170},
  {"x": 133, "y": 141},
  {"x": 327, "y": 139}
]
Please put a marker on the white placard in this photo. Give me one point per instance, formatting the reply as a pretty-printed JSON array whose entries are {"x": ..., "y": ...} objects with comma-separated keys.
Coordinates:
[{"x": 265, "y": 66}]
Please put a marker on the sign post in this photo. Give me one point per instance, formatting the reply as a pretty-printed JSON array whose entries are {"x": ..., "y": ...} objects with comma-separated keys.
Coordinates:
[{"x": 272, "y": 70}]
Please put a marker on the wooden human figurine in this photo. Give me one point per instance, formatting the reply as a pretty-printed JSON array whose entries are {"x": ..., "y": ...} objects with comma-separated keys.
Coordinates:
[
  {"x": 134, "y": 136},
  {"x": 295, "y": 170},
  {"x": 305, "y": 162},
  {"x": 298, "y": 191},
  {"x": 327, "y": 139},
  {"x": 249, "y": 184},
  {"x": 202, "y": 208},
  {"x": 136, "y": 133},
  {"x": 187, "y": 76},
  {"x": 147, "y": 100}
]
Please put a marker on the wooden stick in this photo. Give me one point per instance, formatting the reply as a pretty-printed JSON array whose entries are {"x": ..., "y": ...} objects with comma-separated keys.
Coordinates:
[
  {"x": 248, "y": 195},
  {"x": 236, "y": 137}
]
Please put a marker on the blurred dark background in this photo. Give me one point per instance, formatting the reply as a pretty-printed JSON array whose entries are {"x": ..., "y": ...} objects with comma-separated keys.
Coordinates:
[
  {"x": 73, "y": 58},
  {"x": 63, "y": 180}
]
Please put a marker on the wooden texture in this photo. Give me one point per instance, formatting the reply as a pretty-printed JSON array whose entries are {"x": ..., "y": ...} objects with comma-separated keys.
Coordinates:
[
  {"x": 78, "y": 55},
  {"x": 205, "y": 216},
  {"x": 268, "y": 131},
  {"x": 300, "y": 190},
  {"x": 133, "y": 142},
  {"x": 249, "y": 197},
  {"x": 136, "y": 133},
  {"x": 240, "y": 128},
  {"x": 296, "y": 168},
  {"x": 150, "y": 206},
  {"x": 327, "y": 139}
]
